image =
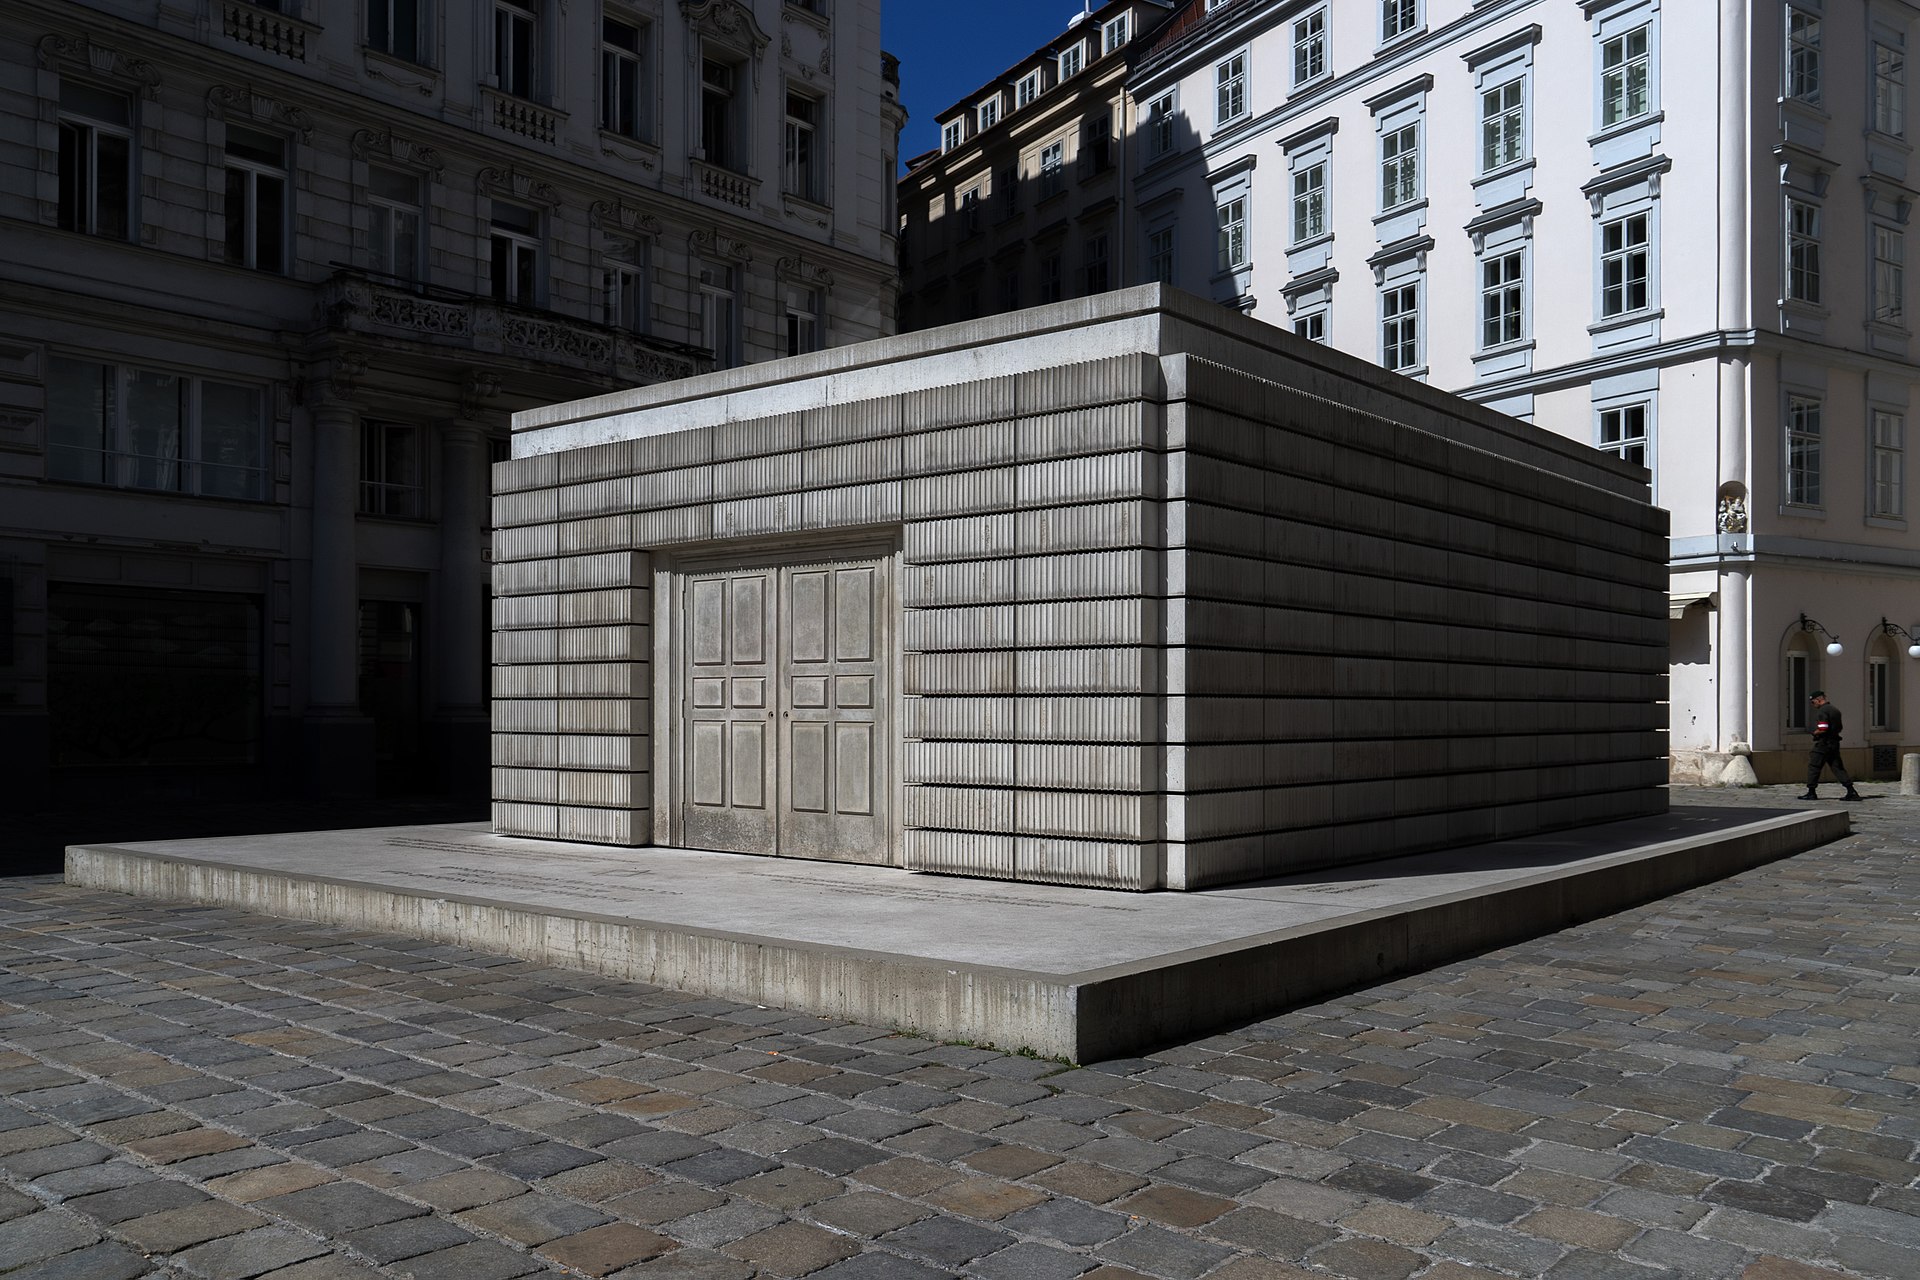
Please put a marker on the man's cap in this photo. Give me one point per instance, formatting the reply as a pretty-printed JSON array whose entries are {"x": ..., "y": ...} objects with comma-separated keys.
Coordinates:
[{"x": 1817, "y": 693}]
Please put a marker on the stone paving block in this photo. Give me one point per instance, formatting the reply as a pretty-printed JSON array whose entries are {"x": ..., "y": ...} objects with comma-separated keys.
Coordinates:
[
  {"x": 787, "y": 1188},
  {"x": 611, "y": 1247},
  {"x": 152, "y": 1195},
  {"x": 174, "y": 1229},
  {"x": 337, "y": 1207},
  {"x": 542, "y": 1160},
  {"x": 174, "y": 1147},
  {"x": 1160, "y": 1252},
  {"x": 475, "y": 1260},
  {"x": 43, "y": 1235},
  {"x": 791, "y": 1249},
  {"x": 1066, "y": 1221},
  {"x": 41, "y": 1161},
  {"x": 392, "y": 1242},
  {"x": 1278, "y": 1236},
  {"x": 947, "y": 1241},
  {"x": 533, "y": 1219},
  {"x": 665, "y": 1202},
  {"x": 331, "y": 1266},
  {"x": 1497, "y": 1250},
  {"x": 465, "y": 1189},
  {"x": 866, "y": 1213},
  {"x": 253, "y": 1253},
  {"x": 108, "y": 1260}
]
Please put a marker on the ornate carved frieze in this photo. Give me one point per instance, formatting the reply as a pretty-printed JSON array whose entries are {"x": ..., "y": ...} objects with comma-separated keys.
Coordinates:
[
  {"x": 507, "y": 184},
  {"x": 405, "y": 310},
  {"x": 710, "y": 242},
  {"x": 618, "y": 215},
  {"x": 802, "y": 272},
  {"x": 537, "y": 335},
  {"x": 727, "y": 20},
  {"x": 57, "y": 51},
  {"x": 239, "y": 102},
  {"x": 383, "y": 146}
]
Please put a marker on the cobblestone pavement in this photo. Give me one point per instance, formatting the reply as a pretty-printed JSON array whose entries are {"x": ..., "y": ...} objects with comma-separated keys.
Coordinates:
[{"x": 1718, "y": 1084}]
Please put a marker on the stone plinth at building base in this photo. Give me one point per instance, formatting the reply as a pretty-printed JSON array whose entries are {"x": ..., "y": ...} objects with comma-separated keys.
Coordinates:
[{"x": 1066, "y": 972}]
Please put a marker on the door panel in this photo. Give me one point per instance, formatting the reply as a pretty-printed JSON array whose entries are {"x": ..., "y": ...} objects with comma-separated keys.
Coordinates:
[{"x": 730, "y": 627}]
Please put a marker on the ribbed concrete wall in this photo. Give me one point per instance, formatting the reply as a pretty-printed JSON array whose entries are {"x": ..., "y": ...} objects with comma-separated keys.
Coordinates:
[{"x": 1161, "y": 622}]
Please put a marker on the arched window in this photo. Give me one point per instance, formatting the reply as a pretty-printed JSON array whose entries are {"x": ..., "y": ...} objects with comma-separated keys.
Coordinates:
[
  {"x": 1883, "y": 683},
  {"x": 1802, "y": 673}
]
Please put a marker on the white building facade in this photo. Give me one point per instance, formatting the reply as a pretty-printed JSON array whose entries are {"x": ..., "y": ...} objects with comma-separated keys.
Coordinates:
[
  {"x": 275, "y": 277},
  {"x": 1676, "y": 231}
]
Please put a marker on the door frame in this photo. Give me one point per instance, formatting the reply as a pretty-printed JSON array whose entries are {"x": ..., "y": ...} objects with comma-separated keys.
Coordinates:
[{"x": 671, "y": 570}]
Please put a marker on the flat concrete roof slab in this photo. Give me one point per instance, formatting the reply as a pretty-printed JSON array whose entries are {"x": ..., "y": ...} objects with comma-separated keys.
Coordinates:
[{"x": 1067, "y": 972}]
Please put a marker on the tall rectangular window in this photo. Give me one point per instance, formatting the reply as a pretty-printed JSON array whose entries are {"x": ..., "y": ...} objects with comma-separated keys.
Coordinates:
[
  {"x": 393, "y": 472},
  {"x": 1799, "y": 686},
  {"x": 1803, "y": 251},
  {"x": 1398, "y": 18},
  {"x": 1889, "y": 275},
  {"x": 1399, "y": 166},
  {"x": 1160, "y": 121},
  {"x": 96, "y": 161},
  {"x": 952, "y": 134},
  {"x": 1623, "y": 432},
  {"x": 1625, "y": 265},
  {"x": 1115, "y": 32},
  {"x": 1026, "y": 90},
  {"x": 1803, "y": 451},
  {"x": 1232, "y": 244},
  {"x": 1050, "y": 284},
  {"x": 988, "y": 113},
  {"x": 802, "y": 320},
  {"x": 393, "y": 27},
  {"x": 153, "y": 429},
  {"x": 1312, "y": 326},
  {"x": 1095, "y": 260},
  {"x": 395, "y": 246},
  {"x": 803, "y": 148},
  {"x": 720, "y": 112},
  {"x": 1880, "y": 700},
  {"x": 1623, "y": 77},
  {"x": 1096, "y": 145},
  {"x": 1310, "y": 47},
  {"x": 1803, "y": 55},
  {"x": 1889, "y": 468},
  {"x": 516, "y": 255},
  {"x": 622, "y": 82},
  {"x": 625, "y": 284},
  {"x": 1503, "y": 122},
  {"x": 514, "y": 52},
  {"x": 256, "y": 211},
  {"x": 1310, "y": 202},
  {"x": 1160, "y": 255},
  {"x": 1400, "y": 326},
  {"x": 1890, "y": 91},
  {"x": 1230, "y": 89},
  {"x": 1502, "y": 300},
  {"x": 1073, "y": 59},
  {"x": 1053, "y": 166},
  {"x": 720, "y": 314}
]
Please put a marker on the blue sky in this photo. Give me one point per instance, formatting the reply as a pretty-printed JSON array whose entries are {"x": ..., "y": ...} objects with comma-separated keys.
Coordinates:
[{"x": 947, "y": 51}]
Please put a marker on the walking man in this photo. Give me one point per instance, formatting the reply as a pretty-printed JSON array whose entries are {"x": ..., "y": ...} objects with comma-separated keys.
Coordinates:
[{"x": 1826, "y": 748}]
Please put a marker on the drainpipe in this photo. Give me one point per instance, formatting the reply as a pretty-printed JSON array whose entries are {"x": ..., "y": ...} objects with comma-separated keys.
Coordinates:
[{"x": 1734, "y": 676}]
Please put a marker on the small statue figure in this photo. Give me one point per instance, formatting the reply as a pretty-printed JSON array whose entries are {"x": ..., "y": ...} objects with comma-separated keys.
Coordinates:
[{"x": 1733, "y": 514}]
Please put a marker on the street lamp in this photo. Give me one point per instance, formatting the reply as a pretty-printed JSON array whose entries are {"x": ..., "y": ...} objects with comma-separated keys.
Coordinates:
[
  {"x": 1834, "y": 648},
  {"x": 1894, "y": 629}
]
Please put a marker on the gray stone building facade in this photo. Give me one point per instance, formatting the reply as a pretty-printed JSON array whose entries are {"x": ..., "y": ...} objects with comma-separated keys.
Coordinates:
[
  {"x": 275, "y": 276},
  {"x": 1128, "y": 592}
]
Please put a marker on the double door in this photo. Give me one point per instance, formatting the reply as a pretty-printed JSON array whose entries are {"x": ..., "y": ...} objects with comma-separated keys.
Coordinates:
[{"x": 784, "y": 745}]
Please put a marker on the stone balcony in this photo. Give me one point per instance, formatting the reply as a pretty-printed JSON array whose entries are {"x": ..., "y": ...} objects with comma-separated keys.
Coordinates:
[
  {"x": 521, "y": 117},
  {"x": 264, "y": 29},
  {"x": 724, "y": 185},
  {"x": 355, "y": 302}
]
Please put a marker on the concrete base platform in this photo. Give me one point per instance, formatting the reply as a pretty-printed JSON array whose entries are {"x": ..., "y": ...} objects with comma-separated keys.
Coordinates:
[{"x": 1070, "y": 973}]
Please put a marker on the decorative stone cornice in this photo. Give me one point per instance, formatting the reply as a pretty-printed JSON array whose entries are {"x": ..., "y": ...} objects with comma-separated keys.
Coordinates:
[
  {"x": 510, "y": 185},
  {"x": 618, "y": 215},
  {"x": 58, "y": 51},
  {"x": 384, "y": 146},
  {"x": 482, "y": 386},
  {"x": 244, "y": 103},
  {"x": 710, "y": 242},
  {"x": 801, "y": 271}
]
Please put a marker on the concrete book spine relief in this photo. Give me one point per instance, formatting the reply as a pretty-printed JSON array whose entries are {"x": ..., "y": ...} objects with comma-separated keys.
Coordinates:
[{"x": 1128, "y": 593}]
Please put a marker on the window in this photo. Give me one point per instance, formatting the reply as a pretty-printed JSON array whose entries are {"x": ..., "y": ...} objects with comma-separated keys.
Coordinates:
[
  {"x": 803, "y": 149},
  {"x": 1027, "y": 90},
  {"x": 1890, "y": 91},
  {"x": 393, "y": 479},
  {"x": 1006, "y": 192},
  {"x": 1053, "y": 164},
  {"x": 1889, "y": 466},
  {"x": 622, "y": 82},
  {"x": 1310, "y": 202},
  {"x": 1095, "y": 254},
  {"x": 1010, "y": 291},
  {"x": 1803, "y": 451},
  {"x": 624, "y": 284},
  {"x": 1803, "y": 251},
  {"x": 1400, "y": 326},
  {"x": 1889, "y": 276},
  {"x": 256, "y": 212},
  {"x": 1623, "y": 432},
  {"x": 720, "y": 314},
  {"x": 1623, "y": 77},
  {"x": 1160, "y": 118},
  {"x": 513, "y": 47},
  {"x": 1312, "y": 326},
  {"x": 1115, "y": 32},
  {"x": 989, "y": 113},
  {"x": 1803, "y": 55},
  {"x": 516, "y": 255},
  {"x": 1309, "y": 47},
  {"x": 952, "y": 134},
  {"x": 1399, "y": 166},
  {"x": 152, "y": 429},
  {"x": 395, "y": 246},
  {"x": 970, "y": 213},
  {"x": 1230, "y": 89},
  {"x": 96, "y": 161},
  {"x": 802, "y": 320},
  {"x": 1503, "y": 120},
  {"x": 1502, "y": 300},
  {"x": 1096, "y": 145},
  {"x": 1398, "y": 18},
  {"x": 1072, "y": 59},
  {"x": 1881, "y": 703},
  {"x": 720, "y": 115},
  {"x": 1232, "y": 244},
  {"x": 393, "y": 27},
  {"x": 1050, "y": 277},
  {"x": 1800, "y": 678},
  {"x": 1624, "y": 266},
  {"x": 1160, "y": 255}
]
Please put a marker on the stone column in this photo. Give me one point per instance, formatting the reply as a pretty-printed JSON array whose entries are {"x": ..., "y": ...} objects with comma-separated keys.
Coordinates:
[
  {"x": 460, "y": 628},
  {"x": 339, "y": 739}
]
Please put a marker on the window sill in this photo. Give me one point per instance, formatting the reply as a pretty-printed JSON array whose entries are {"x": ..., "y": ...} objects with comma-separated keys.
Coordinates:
[
  {"x": 1897, "y": 523},
  {"x": 1393, "y": 44},
  {"x": 1894, "y": 140},
  {"x": 1418, "y": 372},
  {"x": 1400, "y": 210},
  {"x": 1621, "y": 321},
  {"x": 1505, "y": 348},
  {"x": 1311, "y": 242},
  {"x": 806, "y": 14},
  {"x": 1802, "y": 511},
  {"x": 1612, "y": 131},
  {"x": 1507, "y": 170},
  {"x": 1306, "y": 86},
  {"x": 1808, "y": 107},
  {"x": 1232, "y": 122}
]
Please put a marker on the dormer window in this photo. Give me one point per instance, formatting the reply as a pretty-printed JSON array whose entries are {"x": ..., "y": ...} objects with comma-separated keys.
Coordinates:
[
  {"x": 952, "y": 134},
  {"x": 1073, "y": 59},
  {"x": 1115, "y": 32},
  {"x": 1027, "y": 90},
  {"x": 989, "y": 113}
]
